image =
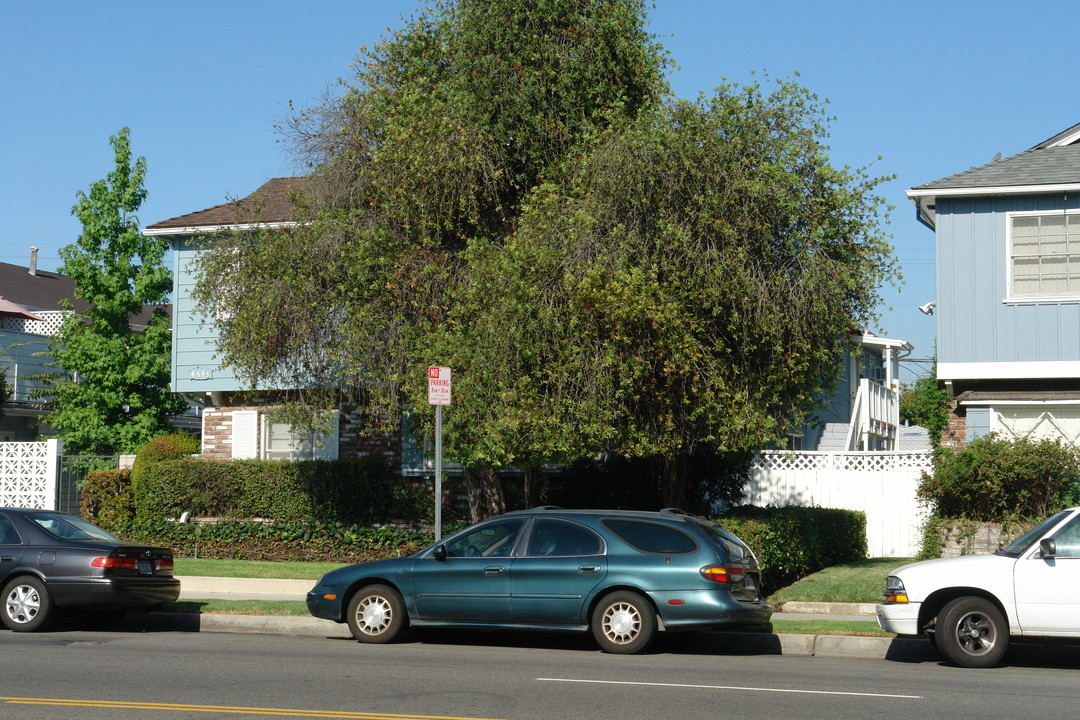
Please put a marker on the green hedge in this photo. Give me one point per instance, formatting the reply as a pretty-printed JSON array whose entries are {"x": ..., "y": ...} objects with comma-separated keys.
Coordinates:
[
  {"x": 309, "y": 541},
  {"x": 346, "y": 491},
  {"x": 793, "y": 542}
]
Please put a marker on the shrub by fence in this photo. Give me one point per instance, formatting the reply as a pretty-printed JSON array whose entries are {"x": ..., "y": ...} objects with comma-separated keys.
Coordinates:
[{"x": 793, "y": 542}]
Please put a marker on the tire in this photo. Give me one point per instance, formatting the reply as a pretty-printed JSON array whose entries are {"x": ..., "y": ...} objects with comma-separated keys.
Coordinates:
[
  {"x": 26, "y": 604},
  {"x": 972, "y": 632},
  {"x": 623, "y": 623},
  {"x": 376, "y": 614}
]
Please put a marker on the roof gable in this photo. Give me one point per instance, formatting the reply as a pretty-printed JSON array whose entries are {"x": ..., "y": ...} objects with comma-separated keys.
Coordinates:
[{"x": 271, "y": 204}]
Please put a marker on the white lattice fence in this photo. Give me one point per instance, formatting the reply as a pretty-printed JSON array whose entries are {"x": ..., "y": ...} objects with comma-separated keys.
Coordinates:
[
  {"x": 28, "y": 472},
  {"x": 881, "y": 484}
]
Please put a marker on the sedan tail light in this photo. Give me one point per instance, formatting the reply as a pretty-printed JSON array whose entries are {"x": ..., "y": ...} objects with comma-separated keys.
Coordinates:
[
  {"x": 160, "y": 565},
  {"x": 723, "y": 573},
  {"x": 116, "y": 563}
]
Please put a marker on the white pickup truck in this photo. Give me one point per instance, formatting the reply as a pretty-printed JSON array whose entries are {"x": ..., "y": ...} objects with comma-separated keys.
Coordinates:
[{"x": 971, "y": 606}]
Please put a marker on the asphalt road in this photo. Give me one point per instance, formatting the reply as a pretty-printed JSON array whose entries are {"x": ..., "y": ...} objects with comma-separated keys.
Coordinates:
[{"x": 120, "y": 675}]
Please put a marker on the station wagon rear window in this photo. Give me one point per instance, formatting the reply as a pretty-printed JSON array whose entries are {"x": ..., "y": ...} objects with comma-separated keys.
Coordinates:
[{"x": 652, "y": 537}]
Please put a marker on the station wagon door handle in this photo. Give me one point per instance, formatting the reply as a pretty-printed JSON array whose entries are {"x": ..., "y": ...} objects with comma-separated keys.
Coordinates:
[
  {"x": 588, "y": 569},
  {"x": 494, "y": 570}
]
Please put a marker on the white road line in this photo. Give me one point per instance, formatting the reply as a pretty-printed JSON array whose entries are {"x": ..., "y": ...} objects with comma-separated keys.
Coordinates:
[{"x": 733, "y": 687}]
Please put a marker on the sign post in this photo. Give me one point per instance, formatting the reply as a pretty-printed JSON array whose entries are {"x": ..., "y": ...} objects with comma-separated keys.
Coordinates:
[{"x": 438, "y": 395}]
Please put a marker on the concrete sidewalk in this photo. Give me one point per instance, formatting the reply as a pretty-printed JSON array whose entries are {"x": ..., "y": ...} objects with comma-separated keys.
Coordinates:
[{"x": 205, "y": 588}]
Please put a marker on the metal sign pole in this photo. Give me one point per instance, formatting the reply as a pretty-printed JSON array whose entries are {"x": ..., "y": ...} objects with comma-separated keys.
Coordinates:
[
  {"x": 439, "y": 394},
  {"x": 438, "y": 473}
]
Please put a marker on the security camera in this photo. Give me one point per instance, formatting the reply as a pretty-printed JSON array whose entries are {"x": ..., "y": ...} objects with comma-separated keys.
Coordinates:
[{"x": 928, "y": 308}]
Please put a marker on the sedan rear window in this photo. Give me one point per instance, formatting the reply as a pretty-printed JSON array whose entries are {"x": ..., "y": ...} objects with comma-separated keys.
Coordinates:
[
  {"x": 69, "y": 527},
  {"x": 652, "y": 537}
]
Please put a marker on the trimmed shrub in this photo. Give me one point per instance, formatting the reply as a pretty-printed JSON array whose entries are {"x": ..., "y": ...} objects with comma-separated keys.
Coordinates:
[
  {"x": 311, "y": 541},
  {"x": 348, "y": 491},
  {"x": 107, "y": 497},
  {"x": 793, "y": 542}
]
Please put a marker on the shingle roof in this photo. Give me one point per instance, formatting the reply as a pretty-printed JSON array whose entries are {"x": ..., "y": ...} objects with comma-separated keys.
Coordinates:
[
  {"x": 42, "y": 291},
  {"x": 271, "y": 203},
  {"x": 1049, "y": 163}
]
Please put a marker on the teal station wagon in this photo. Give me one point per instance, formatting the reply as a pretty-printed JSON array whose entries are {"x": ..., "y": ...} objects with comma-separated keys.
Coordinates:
[{"x": 622, "y": 575}]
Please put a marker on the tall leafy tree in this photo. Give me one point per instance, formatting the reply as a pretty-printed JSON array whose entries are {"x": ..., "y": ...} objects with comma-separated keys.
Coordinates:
[
  {"x": 111, "y": 391},
  {"x": 508, "y": 188}
]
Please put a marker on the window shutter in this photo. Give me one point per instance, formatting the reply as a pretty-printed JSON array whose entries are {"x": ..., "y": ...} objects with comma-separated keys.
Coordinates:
[{"x": 245, "y": 434}]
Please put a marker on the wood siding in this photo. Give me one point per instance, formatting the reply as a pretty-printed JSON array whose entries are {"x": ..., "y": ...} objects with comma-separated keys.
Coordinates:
[
  {"x": 195, "y": 369},
  {"x": 976, "y": 324}
]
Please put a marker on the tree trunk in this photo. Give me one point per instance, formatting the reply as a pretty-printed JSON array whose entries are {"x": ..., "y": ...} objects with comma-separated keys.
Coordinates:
[
  {"x": 534, "y": 487},
  {"x": 673, "y": 482},
  {"x": 484, "y": 492}
]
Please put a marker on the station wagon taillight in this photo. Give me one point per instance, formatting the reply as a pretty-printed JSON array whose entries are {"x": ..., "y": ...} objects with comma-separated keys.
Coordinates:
[{"x": 723, "y": 573}]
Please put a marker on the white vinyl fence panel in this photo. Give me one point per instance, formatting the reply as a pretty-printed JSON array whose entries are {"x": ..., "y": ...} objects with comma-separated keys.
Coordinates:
[
  {"x": 28, "y": 473},
  {"x": 880, "y": 484}
]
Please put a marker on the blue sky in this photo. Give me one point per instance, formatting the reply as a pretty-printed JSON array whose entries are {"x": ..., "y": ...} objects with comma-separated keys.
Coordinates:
[{"x": 932, "y": 87}]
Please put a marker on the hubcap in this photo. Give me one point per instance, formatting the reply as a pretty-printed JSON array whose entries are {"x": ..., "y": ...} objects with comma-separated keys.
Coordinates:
[
  {"x": 622, "y": 623},
  {"x": 23, "y": 604},
  {"x": 374, "y": 615},
  {"x": 975, "y": 634}
]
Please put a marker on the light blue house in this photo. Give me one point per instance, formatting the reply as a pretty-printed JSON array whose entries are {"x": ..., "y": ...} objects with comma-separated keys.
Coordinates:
[{"x": 1008, "y": 291}]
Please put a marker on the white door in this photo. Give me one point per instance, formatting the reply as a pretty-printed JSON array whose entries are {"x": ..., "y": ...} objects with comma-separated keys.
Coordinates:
[{"x": 1048, "y": 588}]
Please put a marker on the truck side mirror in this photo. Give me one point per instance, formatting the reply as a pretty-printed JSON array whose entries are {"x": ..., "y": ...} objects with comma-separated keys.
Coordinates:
[{"x": 1048, "y": 547}]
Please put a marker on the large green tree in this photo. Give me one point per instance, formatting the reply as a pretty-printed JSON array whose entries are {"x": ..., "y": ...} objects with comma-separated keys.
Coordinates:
[
  {"x": 509, "y": 189},
  {"x": 110, "y": 393}
]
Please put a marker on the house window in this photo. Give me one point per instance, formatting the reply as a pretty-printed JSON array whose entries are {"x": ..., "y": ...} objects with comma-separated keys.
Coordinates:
[
  {"x": 1045, "y": 254},
  {"x": 258, "y": 435}
]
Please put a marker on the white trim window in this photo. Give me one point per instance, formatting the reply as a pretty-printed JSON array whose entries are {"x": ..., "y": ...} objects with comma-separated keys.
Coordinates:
[
  {"x": 1044, "y": 255},
  {"x": 258, "y": 435}
]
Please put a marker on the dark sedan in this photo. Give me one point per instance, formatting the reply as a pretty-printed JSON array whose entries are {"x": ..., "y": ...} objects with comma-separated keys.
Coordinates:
[{"x": 52, "y": 562}]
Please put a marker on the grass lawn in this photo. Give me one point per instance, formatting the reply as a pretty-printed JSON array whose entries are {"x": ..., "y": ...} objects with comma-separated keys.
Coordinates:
[{"x": 857, "y": 582}]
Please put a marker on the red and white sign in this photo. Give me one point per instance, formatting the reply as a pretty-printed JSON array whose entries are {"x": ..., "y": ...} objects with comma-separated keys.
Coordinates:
[{"x": 438, "y": 385}]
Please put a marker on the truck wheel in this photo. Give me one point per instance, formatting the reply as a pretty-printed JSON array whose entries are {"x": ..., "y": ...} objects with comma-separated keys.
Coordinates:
[{"x": 972, "y": 632}]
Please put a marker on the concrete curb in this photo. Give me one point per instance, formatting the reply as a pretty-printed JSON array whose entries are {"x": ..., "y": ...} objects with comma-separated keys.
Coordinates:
[{"x": 830, "y": 608}]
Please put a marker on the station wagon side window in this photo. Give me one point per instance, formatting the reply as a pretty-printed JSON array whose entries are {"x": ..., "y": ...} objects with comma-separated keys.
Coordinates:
[
  {"x": 559, "y": 538},
  {"x": 651, "y": 537},
  {"x": 494, "y": 539},
  {"x": 8, "y": 534}
]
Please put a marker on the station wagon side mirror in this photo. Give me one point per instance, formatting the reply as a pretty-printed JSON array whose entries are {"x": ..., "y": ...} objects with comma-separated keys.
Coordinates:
[
  {"x": 1048, "y": 547},
  {"x": 439, "y": 552}
]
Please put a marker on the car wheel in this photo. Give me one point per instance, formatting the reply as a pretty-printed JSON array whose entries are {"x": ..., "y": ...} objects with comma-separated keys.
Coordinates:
[
  {"x": 27, "y": 605},
  {"x": 624, "y": 623},
  {"x": 376, "y": 614},
  {"x": 971, "y": 632}
]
